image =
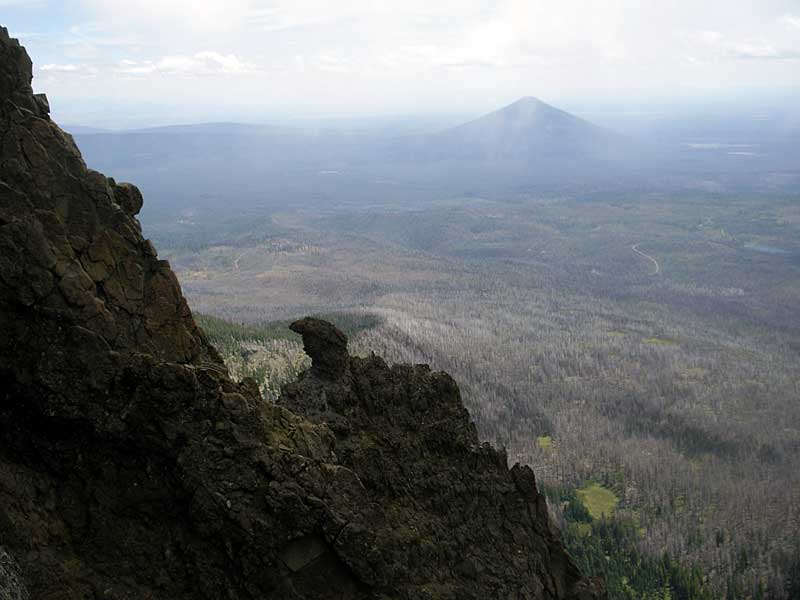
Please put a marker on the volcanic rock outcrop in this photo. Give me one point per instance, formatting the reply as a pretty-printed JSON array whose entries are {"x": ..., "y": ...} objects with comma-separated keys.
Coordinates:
[{"x": 133, "y": 467}]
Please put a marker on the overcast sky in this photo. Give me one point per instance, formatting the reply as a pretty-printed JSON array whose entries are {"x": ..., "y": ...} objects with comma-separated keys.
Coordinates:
[{"x": 118, "y": 62}]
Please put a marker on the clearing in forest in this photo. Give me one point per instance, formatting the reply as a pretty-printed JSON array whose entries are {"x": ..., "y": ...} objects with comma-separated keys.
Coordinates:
[{"x": 599, "y": 501}]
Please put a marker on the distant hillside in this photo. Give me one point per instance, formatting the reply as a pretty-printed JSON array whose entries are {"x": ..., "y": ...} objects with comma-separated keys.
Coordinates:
[{"x": 85, "y": 130}]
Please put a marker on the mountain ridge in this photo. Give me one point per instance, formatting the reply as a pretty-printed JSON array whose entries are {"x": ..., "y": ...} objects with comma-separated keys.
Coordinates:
[{"x": 132, "y": 466}]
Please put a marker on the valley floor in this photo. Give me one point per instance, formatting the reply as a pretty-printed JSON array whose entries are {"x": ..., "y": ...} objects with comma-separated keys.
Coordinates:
[{"x": 659, "y": 367}]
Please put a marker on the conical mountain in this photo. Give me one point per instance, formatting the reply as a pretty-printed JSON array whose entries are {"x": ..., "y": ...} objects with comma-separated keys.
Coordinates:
[{"x": 527, "y": 129}]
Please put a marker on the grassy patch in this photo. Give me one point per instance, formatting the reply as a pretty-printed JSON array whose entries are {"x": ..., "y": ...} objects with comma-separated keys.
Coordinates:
[
  {"x": 599, "y": 501},
  {"x": 545, "y": 442},
  {"x": 659, "y": 341}
]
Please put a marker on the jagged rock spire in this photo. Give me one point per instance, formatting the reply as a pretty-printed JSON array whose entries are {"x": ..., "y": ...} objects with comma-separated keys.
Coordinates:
[
  {"x": 16, "y": 76},
  {"x": 325, "y": 344}
]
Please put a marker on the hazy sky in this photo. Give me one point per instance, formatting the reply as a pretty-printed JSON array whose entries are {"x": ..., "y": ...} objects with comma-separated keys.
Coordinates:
[{"x": 118, "y": 62}]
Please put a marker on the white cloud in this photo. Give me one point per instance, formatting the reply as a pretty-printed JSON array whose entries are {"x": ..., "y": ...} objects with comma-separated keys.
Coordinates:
[
  {"x": 205, "y": 63},
  {"x": 709, "y": 37},
  {"x": 230, "y": 64},
  {"x": 68, "y": 68},
  {"x": 761, "y": 50},
  {"x": 55, "y": 71},
  {"x": 514, "y": 34},
  {"x": 80, "y": 50},
  {"x": 331, "y": 64},
  {"x": 714, "y": 45},
  {"x": 275, "y": 19},
  {"x": 180, "y": 15},
  {"x": 791, "y": 20}
]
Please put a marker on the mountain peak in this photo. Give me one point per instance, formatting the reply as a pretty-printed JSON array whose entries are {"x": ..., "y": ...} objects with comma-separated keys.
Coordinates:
[
  {"x": 528, "y": 101},
  {"x": 525, "y": 130},
  {"x": 530, "y": 107}
]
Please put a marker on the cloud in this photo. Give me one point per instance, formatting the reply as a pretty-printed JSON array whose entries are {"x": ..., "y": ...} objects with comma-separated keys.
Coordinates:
[
  {"x": 179, "y": 15},
  {"x": 69, "y": 68},
  {"x": 53, "y": 70},
  {"x": 523, "y": 33},
  {"x": 79, "y": 49},
  {"x": 717, "y": 46},
  {"x": 709, "y": 37},
  {"x": 512, "y": 35},
  {"x": 762, "y": 51},
  {"x": 200, "y": 64},
  {"x": 332, "y": 64},
  {"x": 792, "y": 21},
  {"x": 273, "y": 19},
  {"x": 90, "y": 41}
]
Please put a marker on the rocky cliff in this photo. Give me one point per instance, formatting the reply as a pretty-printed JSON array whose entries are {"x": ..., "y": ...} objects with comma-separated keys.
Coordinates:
[{"x": 131, "y": 466}]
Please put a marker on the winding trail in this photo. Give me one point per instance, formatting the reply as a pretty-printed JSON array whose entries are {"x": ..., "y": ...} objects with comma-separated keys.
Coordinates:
[
  {"x": 648, "y": 257},
  {"x": 237, "y": 259}
]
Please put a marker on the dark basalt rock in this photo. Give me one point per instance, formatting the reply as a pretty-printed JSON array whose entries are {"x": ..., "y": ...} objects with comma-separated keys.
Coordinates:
[
  {"x": 11, "y": 585},
  {"x": 326, "y": 345},
  {"x": 132, "y": 466}
]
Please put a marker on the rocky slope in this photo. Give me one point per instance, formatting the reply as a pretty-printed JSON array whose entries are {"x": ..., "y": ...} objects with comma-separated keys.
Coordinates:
[{"x": 131, "y": 466}]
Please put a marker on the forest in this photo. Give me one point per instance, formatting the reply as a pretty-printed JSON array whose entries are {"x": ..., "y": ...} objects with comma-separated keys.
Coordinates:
[{"x": 657, "y": 370}]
